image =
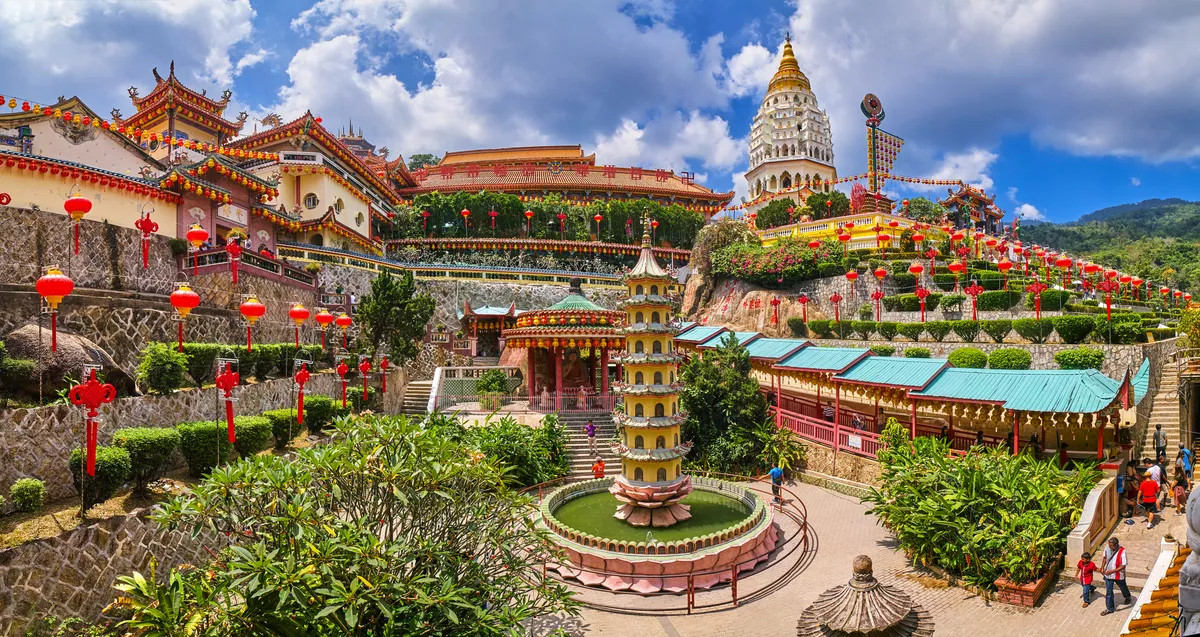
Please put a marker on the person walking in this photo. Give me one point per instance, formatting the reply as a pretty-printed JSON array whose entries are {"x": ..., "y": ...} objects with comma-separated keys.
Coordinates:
[
  {"x": 1149, "y": 492},
  {"x": 1114, "y": 574},
  {"x": 598, "y": 468},
  {"x": 590, "y": 430},
  {"x": 828, "y": 411},
  {"x": 1131, "y": 488},
  {"x": 1083, "y": 571},
  {"x": 1181, "y": 484},
  {"x": 1187, "y": 460},
  {"x": 1160, "y": 442},
  {"x": 776, "y": 482},
  {"x": 979, "y": 438}
]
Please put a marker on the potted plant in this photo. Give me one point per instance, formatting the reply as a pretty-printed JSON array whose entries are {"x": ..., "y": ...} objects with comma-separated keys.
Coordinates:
[
  {"x": 1019, "y": 586},
  {"x": 236, "y": 233},
  {"x": 313, "y": 267}
]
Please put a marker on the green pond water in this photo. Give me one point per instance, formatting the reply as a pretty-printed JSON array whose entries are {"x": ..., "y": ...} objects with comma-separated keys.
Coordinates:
[{"x": 593, "y": 514}]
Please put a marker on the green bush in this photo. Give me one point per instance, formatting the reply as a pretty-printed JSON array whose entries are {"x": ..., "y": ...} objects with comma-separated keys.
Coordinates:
[
  {"x": 916, "y": 352},
  {"x": 988, "y": 280},
  {"x": 27, "y": 494},
  {"x": 796, "y": 324},
  {"x": 269, "y": 355},
  {"x": 204, "y": 445},
  {"x": 966, "y": 330},
  {"x": 1073, "y": 329},
  {"x": 252, "y": 434},
  {"x": 493, "y": 381},
  {"x": 201, "y": 358},
  {"x": 888, "y": 329},
  {"x": 1010, "y": 358},
  {"x": 866, "y": 312},
  {"x": 162, "y": 368},
  {"x": 1090, "y": 302},
  {"x": 1116, "y": 333},
  {"x": 968, "y": 357},
  {"x": 247, "y": 360},
  {"x": 355, "y": 395},
  {"x": 1052, "y": 300},
  {"x": 997, "y": 330},
  {"x": 842, "y": 329},
  {"x": 937, "y": 330},
  {"x": 1034, "y": 330},
  {"x": 1081, "y": 358},
  {"x": 883, "y": 350},
  {"x": 911, "y": 331},
  {"x": 1083, "y": 309},
  {"x": 821, "y": 327},
  {"x": 826, "y": 269},
  {"x": 15, "y": 372},
  {"x": 864, "y": 329},
  {"x": 1162, "y": 333},
  {"x": 944, "y": 281},
  {"x": 997, "y": 301},
  {"x": 953, "y": 302},
  {"x": 910, "y": 302},
  {"x": 319, "y": 412},
  {"x": 150, "y": 449},
  {"x": 283, "y": 425},
  {"x": 904, "y": 280},
  {"x": 112, "y": 471}
]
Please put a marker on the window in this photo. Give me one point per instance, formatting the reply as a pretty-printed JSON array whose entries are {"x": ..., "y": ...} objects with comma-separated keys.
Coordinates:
[
  {"x": 639, "y": 443},
  {"x": 638, "y": 348},
  {"x": 676, "y": 440},
  {"x": 674, "y": 410},
  {"x": 639, "y": 318},
  {"x": 655, "y": 318},
  {"x": 654, "y": 289},
  {"x": 338, "y": 205},
  {"x": 311, "y": 201},
  {"x": 638, "y": 289},
  {"x": 317, "y": 240},
  {"x": 638, "y": 475},
  {"x": 638, "y": 378},
  {"x": 657, "y": 349},
  {"x": 662, "y": 475},
  {"x": 658, "y": 378},
  {"x": 659, "y": 410},
  {"x": 660, "y": 442},
  {"x": 639, "y": 411},
  {"x": 676, "y": 471},
  {"x": 672, "y": 376},
  {"x": 358, "y": 220}
]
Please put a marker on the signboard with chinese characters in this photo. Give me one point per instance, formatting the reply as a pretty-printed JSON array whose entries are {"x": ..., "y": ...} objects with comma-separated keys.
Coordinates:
[{"x": 234, "y": 214}]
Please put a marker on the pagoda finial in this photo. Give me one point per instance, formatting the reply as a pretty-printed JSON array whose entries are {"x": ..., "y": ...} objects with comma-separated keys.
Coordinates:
[
  {"x": 645, "y": 228},
  {"x": 352, "y": 127},
  {"x": 787, "y": 36}
]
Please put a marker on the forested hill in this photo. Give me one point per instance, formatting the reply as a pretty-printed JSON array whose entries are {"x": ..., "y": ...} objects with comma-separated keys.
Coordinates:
[{"x": 1157, "y": 239}]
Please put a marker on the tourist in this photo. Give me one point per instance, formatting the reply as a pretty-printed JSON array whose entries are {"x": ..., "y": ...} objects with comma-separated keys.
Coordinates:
[
  {"x": 1160, "y": 442},
  {"x": 776, "y": 482},
  {"x": 857, "y": 423},
  {"x": 1127, "y": 486},
  {"x": 1187, "y": 460},
  {"x": 590, "y": 430},
  {"x": 828, "y": 411},
  {"x": 1035, "y": 447},
  {"x": 1083, "y": 570},
  {"x": 598, "y": 468},
  {"x": 1114, "y": 573},
  {"x": 979, "y": 438},
  {"x": 1062, "y": 454},
  {"x": 1149, "y": 489},
  {"x": 945, "y": 434},
  {"x": 1180, "y": 485}
]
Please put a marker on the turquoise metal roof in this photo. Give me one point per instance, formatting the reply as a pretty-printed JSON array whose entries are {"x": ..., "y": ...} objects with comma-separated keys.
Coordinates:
[
  {"x": 742, "y": 339},
  {"x": 699, "y": 334},
  {"x": 773, "y": 349},
  {"x": 1043, "y": 390},
  {"x": 823, "y": 359},
  {"x": 488, "y": 310},
  {"x": 686, "y": 325},
  {"x": 1141, "y": 382},
  {"x": 900, "y": 372}
]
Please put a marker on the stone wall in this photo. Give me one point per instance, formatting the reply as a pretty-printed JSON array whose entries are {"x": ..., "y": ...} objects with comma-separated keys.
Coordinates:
[
  {"x": 72, "y": 574},
  {"x": 846, "y": 466}
]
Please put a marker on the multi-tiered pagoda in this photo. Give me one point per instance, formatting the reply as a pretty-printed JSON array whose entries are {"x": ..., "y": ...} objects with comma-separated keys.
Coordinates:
[{"x": 651, "y": 483}]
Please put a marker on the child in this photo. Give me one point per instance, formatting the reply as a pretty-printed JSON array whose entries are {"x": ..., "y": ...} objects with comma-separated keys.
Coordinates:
[
  {"x": 598, "y": 468},
  {"x": 1083, "y": 570}
]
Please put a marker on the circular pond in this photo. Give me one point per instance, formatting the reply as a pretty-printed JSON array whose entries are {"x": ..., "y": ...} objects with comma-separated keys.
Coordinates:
[{"x": 593, "y": 513}]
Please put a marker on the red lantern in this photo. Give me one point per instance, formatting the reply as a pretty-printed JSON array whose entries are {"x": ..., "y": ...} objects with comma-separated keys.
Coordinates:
[
  {"x": 301, "y": 377},
  {"x": 184, "y": 300},
  {"x": 54, "y": 286},
  {"x": 813, "y": 245},
  {"x": 425, "y": 220},
  {"x": 234, "y": 248},
  {"x": 880, "y": 273},
  {"x": 973, "y": 291},
  {"x": 251, "y": 310},
  {"x": 226, "y": 381},
  {"x": 344, "y": 321},
  {"x": 196, "y": 235},
  {"x": 148, "y": 227},
  {"x": 852, "y": 276},
  {"x": 597, "y": 218},
  {"x": 77, "y": 206},
  {"x": 1004, "y": 266},
  {"x": 364, "y": 368},
  {"x": 299, "y": 314},
  {"x": 916, "y": 269},
  {"x": 91, "y": 394},
  {"x": 493, "y": 214}
]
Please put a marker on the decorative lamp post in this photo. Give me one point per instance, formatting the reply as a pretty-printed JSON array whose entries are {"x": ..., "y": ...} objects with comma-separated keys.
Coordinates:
[
  {"x": 226, "y": 381},
  {"x": 597, "y": 218},
  {"x": 425, "y": 221},
  {"x": 921, "y": 294},
  {"x": 1004, "y": 265},
  {"x": 323, "y": 318},
  {"x": 1036, "y": 288},
  {"x": 804, "y": 301},
  {"x": 1108, "y": 286},
  {"x": 562, "y": 224},
  {"x": 466, "y": 215},
  {"x": 956, "y": 268},
  {"x": 344, "y": 321},
  {"x": 836, "y": 299},
  {"x": 301, "y": 377},
  {"x": 364, "y": 368},
  {"x": 184, "y": 300},
  {"x": 1064, "y": 263},
  {"x": 883, "y": 239},
  {"x": 813, "y": 245},
  {"x": 973, "y": 291},
  {"x": 148, "y": 227},
  {"x": 1137, "y": 283},
  {"x": 528, "y": 222},
  {"x": 1126, "y": 280},
  {"x": 1177, "y": 295},
  {"x": 252, "y": 310},
  {"x": 918, "y": 239},
  {"x": 196, "y": 236},
  {"x": 383, "y": 370},
  {"x": 77, "y": 206},
  {"x": 343, "y": 369},
  {"x": 299, "y": 314},
  {"x": 54, "y": 286},
  {"x": 91, "y": 394},
  {"x": 234, "y": 248},
  {"x": 775, "y": 310}
]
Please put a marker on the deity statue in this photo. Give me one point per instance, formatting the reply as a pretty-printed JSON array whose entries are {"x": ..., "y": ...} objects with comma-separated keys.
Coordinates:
[{"x": 1189, "y": 573}]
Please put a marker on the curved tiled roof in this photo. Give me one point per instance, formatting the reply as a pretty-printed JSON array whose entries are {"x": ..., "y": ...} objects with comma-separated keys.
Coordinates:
[{"x": 518, "y": 154}]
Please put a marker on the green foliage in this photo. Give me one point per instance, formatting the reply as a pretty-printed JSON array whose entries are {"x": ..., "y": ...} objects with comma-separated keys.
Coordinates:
[
  {"x": 1034, "y": 330},
  {"x": 775, "y": 214},
  {"x": 1073, "y": 329},
  {"x": 394, "y": 314},
  {"x": 997, "y": 301},
  {"x": 817, "y": 209},
  {"x": 1052, "y": 300},
  {"x": 252, "y": 433},
  {"x": 421, "y": 160},
  {"x": 937, "y": 330},
  {"x": 1010, "y": 358},
  {"x": 27, "y": 494},
  {"x": 968, "y": 357},
  {"x": 269, "y": 355},
  {"x": 893, "y": 438},
  {"x": 1081, "y": 358},
  {"x": 1120, "y": 331},
  {"x": 783, "y": 265},
  {"x": 319, "y": 411},
  {"x": 16, "y": 371},
  {"x": 113, "y": 469},
  {"x": 161, "y": 369},
  {"x": 150, "y": 449},
  {"x": 925, "y": 211},
  {"x": 821, "y": 327},
  {"x": 204, "y": 445},
  {"x": 911, "y": 331},
  {"x": 866, "y": 312},
  {"x": 997, "y": 330},
  {"x": 493, "y": 381},
  {"x": 715, "y": 236},
  {"x": 863, "y": 329},
  {"x": 888, "y": 329},
  {"x": 201, "y": 360},
  {"x": 910, "y": 302},
  {"x": 904, "y": 281},
  {"x": 916, "y": 352},
  {"x": 283, "y": 425},
  {"x": 883, "y": 350},
  {"x": 953, "y": 302},
  {"x": 796, "y": 324},
  {"x": 780, "y": 446},
  {"x": 53, "y": 626},
  {"x": 531, "y": 455},
  {"x": 1189, "y": 329},
  {"x": 986, "y": 515},
  {"x": 842, "y": 329},
  {"x": 725, "y": 406},
  {"x": 966, "y": 330},
  {"x": 247, "y": 359},
  {"x": 357, "y": 404}
]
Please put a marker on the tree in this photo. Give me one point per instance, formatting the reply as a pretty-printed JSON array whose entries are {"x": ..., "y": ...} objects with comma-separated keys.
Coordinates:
[
  {"x": 925, "y": 211},
  {"x": 776, "y": 214},
  {"x": 394, "y": 314},
  {"x": 421, "y": 160},
  {"x": 817, "y": 209},
  {"x": 390, "y": 529},
  {"x": 725, "y": 408}
]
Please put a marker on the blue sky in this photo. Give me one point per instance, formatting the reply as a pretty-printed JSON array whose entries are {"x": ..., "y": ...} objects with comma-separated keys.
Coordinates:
[{"x": 1059, "y": 107}]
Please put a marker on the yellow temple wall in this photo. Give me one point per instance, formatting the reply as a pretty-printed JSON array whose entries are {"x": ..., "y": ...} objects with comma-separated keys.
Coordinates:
[
  {"x": 861, "y": 236},
  {"x": 118, "y": 207},
  {"x": 648, "y": 403},
  {"x": 328, "y": 192},
  {"x": 648, "y": 370},
  {"x": 649, "y": 468}
]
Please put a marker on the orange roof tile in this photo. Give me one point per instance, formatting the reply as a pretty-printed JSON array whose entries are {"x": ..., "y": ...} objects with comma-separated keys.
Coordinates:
[
  {"x": 192, "y": 105},
  {"x": 517, "y": 154},
  {"x": 1155, "y": 617}
]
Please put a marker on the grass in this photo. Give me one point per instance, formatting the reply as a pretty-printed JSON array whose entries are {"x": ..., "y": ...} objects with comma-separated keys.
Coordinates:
[{"x": 593, "y": 514}]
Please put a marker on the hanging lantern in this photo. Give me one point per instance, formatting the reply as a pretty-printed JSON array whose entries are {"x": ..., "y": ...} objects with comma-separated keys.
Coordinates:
[
  {"x": 196, "y": 236},
  {"x": 344, "y": 321},
  {"x": 251, "y": 310},
  {"x": 54, "y": 286},
  {"x": 77, "y": 206},
  {"x": 301, "y": 377},
  {"x": 299, "y": 314},
  {"x": 184, "y": 300},
  {"x": 147, "y": 227},
  {"x": 91, "y": 394},
  {"x": 813, "y": 245},
  {"x": 852, "y": 276},
  {"x": 880, "y": 273},
  {"x": 1004, "y": 266},
  {"x": 225, "y": 382},
  {"x": 234, "y": 249},
  {"x": 916, "y": 269},
  {"x": 324, "y": 318}
]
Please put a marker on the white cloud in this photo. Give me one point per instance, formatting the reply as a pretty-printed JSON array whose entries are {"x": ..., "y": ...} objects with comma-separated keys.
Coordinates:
[
  {"x": 670, "y": 142},
  {"x": 750, "y": 70},
  {"x": 1012, "y": 194},
  {"x": 248, "y": 60},
  {"x": 971, "y": 166},
  {"x": 1028, "y": 212},
  {"x": 1135, "y": 181}
]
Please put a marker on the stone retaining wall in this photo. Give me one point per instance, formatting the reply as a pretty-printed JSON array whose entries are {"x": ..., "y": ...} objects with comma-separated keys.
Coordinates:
[{"x": 846, "y": 466}]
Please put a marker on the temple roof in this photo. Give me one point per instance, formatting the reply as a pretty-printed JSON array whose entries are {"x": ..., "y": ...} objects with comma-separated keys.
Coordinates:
[
  {"x": 647, "y": 266},
  {"x": 973, "y": 198},
  {"x": 76, "y": 105},
  {"x": 487, "y": 310},
  {"x": 865, "y": 607},
  {"x": 894, "y": 372},
  {"x": 823, "y": 359},
  {"x": 1156, "y": 617},
  {"x": 191, "y": 105},
  {"x": 1040, "y": 390},
  {"x": 789, "y": 75},
  {"x": 519, "y": 154}
]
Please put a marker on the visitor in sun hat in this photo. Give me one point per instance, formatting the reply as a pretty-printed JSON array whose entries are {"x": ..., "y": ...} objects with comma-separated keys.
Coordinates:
[{"x": 598, "y": 468}]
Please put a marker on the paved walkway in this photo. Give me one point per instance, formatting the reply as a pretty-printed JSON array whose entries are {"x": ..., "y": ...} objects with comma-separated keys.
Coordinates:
[{"x": 843, "y": 531}]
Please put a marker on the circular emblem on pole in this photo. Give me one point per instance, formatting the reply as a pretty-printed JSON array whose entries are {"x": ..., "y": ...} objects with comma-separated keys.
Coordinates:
[{"x": 872, "y": 107}]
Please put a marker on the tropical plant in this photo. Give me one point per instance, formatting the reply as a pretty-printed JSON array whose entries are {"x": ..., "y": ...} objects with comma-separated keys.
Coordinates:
[
  {"x": 283, "y": 426},
  {"x": 1035, "y": 330},
  {"x": 780, "y": 447},
  {"x": 530, "y": 455},
  {"x": 162, "y": 368},
  {"x": 724, "y": 406},
  {"x": 493, "y": 381},
  {"x": 798, "y": 327},
  {"x": 204, "y": 445},
  {"x": 112, "y": 471},
  {"x": 953, "y": 302},
  {"x": 1010, "y": 358},
  {"x": 27, "y": 494},
  {"x": 883, "y": 350},
  {"x": 1073, "y": 329}
]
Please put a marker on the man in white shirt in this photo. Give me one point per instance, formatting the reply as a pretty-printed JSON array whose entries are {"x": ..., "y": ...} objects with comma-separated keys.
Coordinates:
[{"x": 1113, "y": 569}]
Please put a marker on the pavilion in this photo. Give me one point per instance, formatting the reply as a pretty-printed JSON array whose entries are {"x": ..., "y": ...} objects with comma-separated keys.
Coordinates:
[{"x": 484, "y": 325}]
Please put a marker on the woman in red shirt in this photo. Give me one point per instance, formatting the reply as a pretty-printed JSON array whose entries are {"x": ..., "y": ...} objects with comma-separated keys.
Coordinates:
[{"x": 1148, "y": 490}]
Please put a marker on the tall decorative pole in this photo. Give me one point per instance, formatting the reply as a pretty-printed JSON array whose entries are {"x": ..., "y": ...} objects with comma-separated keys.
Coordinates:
[
  {"x": 364, "y": 368},
  {"x": 872, "y": 109},
  {"x": 1004, "y": 266},
  {"x": 226, "y": 381},
  {"x": 562, "y": 225},
  {"x": 814, "y": 245},
  {"x": 528, "y": 223},
  {"x": 425, "y": 221},
  {"x": 324, "y": 318},
  {"x": 251, "y": 310},
  {"x": 91, "y": 394},
  {"x": 301, "y": 377},
  {"x": 836, "y": 299},
  {"x": 344, "y": 321},
  {"x": 299, "y": 314},
  {"x": 1108, "y": 286},
  {"x": 383, "y": 372},
  {"x": 343, "y": 369}
]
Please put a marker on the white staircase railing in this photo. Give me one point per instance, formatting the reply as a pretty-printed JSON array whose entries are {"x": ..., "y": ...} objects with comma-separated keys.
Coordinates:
[{"x": 434, "y": 389}]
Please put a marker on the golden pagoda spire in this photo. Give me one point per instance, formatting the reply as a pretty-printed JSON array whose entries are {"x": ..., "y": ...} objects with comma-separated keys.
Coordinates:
[
  {"x": 645, "y": 228},
  {"x": 789, "y": 75}
]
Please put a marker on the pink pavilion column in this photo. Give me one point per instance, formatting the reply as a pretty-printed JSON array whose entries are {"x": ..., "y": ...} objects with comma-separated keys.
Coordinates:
[
  {"x": 604, "y": 371},
  {"x": 558, "y": 381},
  {"x": 532, "y": 373}
]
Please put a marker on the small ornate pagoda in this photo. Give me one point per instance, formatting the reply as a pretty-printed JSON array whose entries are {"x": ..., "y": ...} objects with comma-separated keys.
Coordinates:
[
  {"x": 865, "y": 607},
  {"x": 651, "y": 483}
]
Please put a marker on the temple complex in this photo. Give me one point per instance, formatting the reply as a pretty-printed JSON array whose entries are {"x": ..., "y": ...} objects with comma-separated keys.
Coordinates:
[{"x": 971, "y": 207}]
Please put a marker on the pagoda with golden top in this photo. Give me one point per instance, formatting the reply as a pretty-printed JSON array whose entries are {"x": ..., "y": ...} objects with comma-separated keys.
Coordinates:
[{"x": 651, "y": 483}]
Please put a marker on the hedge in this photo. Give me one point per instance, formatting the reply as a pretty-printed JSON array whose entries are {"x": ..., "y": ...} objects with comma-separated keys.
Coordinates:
[
  {"x": 910, "y": 302},
  {"x": 883, "y": 350},
  {"x": 888, "y": 329},
  {"x": 1116, "y": 333},
  {"x": 798, "y": 327},
  {"x": 953, "y": 302},
  {"x": 997, "y": 301},
  {"x": 916, "y": 352},
  {"x": 356, "y": 396},
  {"x": 1010, "y": 358},
  {"x": 968, "y": 357},
  {"x": 864, "y": 329},
  {"x": 911, "y": 331},
  {"x": 997, "y": 330},
  {"x": 162, "y": 368},
  {"x": 966, "y": 330},
  {"x": 1162, "y": 333},
  {"x": 1073, "y": 329},
  {"x": 201, "y": 358},
  {"x": 904, "y": 281},
  {"x": 1052, "y": 300},
  {"x": 283, "y": 425},
  {"x": 866, "y": 312},
  {"x": 1035, "y": 330},
  {"x": 149, "y": 450},
  {"x": 204, "y": 445},
  {"x": 1081, "y": 358},
  {"x": 938, "y": 330},
  {"x": 252, "y": 433},
  {"x": 27, "y": 494},
  {"x": 944, "y": 281},
  {"x": 319, "y": 411},
  {"x": 112, "y": 471}
]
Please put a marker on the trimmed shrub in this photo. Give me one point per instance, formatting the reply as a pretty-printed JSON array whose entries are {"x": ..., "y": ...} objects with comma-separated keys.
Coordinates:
[
  {"x": 1073, "y": 329},
  {"x": 988, "y": 280},
  {"x": 112, "y": 471},
  {"x": 827, "y": 269},
  {"x": 1162, "y": 333},
  {"x": 318, "y": 412},
  {"x": 149, "y": 450},
  {"x": 910, "y": 302},
  {"x": 796, "y": 324},
  {"x": 283, "y": 425},
  {"x": 997, "y": 301},
  {"x": 204, "y": 445},
  {"x": 883, "y": 350},
  {"x": 944, "y": 281},
  {"x": 864, "y": 329},
  {"x": 966, "y": 330},
  {"x": 953, "y": 302},
  {"x": 162, "y": 368},
  {"x": 16, "y": 371},
  {"x": 201, "y": 359},
  {"x": 357, "y": 403},
  {"x": 252, "y": 433},
  {"x": 1081, "y": 358},
  {"x": 937, "y": 330},
  {"x": 247, "y": 359},
  {"x": 1116, "y": 333},
  {"x": 493, "y": 381},
  {"x": 866, "y": 312},
  {"x": 1034, "y": 330},
  {"x": 821, "y": 327},
  {"x": 911, "y": 331},
  {"x": 916, "y": 352},
  {"x": 888, "y": 329},
  {"x": 1052, "y": 300},
  {"x": 997, "y": 330},
  {"x": 968, "y": 357},
  {"x": 269, "y": 355},
  {"x": 904, "y": 280},
  {"x": 27, "y": 494},
  {"x": 1010, "y": 358}
]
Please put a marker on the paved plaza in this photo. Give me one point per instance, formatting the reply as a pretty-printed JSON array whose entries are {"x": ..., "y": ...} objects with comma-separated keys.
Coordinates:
[{"x": 841, "y": 530}]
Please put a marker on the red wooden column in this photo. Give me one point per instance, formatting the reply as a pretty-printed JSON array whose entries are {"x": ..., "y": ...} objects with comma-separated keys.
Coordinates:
[
  {"x": 914, "y": 418},
  {"x": 1016, "y": 435},
  {"x": 532, "y": 362},
  {"x": 837, "y": 404},
  {"x": 1100, "y": 442},
  {"x": 556, "y": 353},
  {"x": 777, "y": 382},
  {"x": 604, "y": 372}
]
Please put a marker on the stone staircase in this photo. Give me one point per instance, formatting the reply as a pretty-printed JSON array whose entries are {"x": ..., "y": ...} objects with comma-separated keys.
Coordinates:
[
  {"x": 1165, "y": 412},
  {"x": 416, "y": 397},
  {"x": 486, "y": 361},
  {"x": 577, "y": 445}
]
